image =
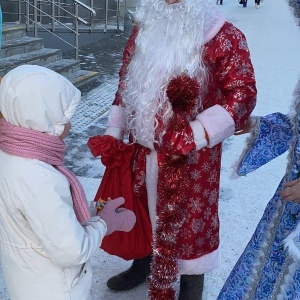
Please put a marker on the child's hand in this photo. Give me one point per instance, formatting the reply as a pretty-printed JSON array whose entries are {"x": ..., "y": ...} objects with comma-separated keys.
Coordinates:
[
  {"x": 291, "y": 191},
  {"x": 117, "y": 219}
]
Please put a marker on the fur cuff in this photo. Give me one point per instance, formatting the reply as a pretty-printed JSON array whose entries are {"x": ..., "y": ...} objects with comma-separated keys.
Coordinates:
[
  {"x": 116, "y": 117},
  {"x": 199, "y": 134},
  {"x": 218, "y": 124},
  {"x": 115, "y": 132},
  {"x": 292, "y": 243}
]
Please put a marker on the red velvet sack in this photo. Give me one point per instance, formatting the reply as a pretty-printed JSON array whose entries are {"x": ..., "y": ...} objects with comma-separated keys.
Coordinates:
[{"x": 117, "y": 181}]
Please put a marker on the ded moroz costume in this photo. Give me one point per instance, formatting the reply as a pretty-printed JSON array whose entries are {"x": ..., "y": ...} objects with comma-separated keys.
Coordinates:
[{"x": 186, "y": 84}]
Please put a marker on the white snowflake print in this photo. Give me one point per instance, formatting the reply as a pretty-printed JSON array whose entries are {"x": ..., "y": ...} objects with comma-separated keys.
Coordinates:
[
  {"x": 208, "y": 234},
  {"x": 212, "y": 177},
  {"x": 214, "y": 222},
  {"x": 195, "y": 205},
  {"x": 240, "y": 109},
  {"x": 214, "y": 242},
  {"x": 214, "y": 156},
  {"x": 220, "y": 37},
  {"x": 206, "y": 193},
  {"x": 243, "y": 45},
  {"x": 186, "y": 234},
  {"x": 239, "y": 96},
  {"x": 205, "y": 167},
  {"x": 244, "y": 70},
  {"x": 195, "y": 174},
  {"x": 188, "y": 138},
  {"x": 200, "y": 242},
  {"x": 197, "y": 188},
  {"x": 197, "y": 225},
  {"x": 213, "y": 196},
  {"x": 141, "y": 178},
  {"x": 207, "y": 213},
  {"x": 235, "y": 59},
  {"x": 187, "y": 249},
  {"x": 226, "y": 45},
  {"x": 193, "y": 158}
]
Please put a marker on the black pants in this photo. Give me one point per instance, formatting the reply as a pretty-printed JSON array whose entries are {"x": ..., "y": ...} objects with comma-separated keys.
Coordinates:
[{"x": 257, "y": 2}]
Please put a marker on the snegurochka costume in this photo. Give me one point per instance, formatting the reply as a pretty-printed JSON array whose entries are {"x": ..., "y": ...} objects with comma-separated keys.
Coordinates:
[{"x": 269, "y": 267}]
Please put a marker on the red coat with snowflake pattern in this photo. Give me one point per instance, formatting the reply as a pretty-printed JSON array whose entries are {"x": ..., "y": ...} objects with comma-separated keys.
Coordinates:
[{"x": 231, "y": 85}]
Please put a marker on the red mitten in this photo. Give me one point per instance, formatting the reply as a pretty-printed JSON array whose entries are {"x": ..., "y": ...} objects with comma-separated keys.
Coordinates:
[{"x": 117, "y": 219}]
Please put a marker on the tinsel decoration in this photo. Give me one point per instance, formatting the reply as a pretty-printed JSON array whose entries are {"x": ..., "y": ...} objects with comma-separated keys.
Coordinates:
[
  {"x": 172, "y": 187},
  {"x": 183, "y": 92}
]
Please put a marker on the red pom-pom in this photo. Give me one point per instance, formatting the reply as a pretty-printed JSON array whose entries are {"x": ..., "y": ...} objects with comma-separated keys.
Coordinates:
[{"x": 183, "y": 92}]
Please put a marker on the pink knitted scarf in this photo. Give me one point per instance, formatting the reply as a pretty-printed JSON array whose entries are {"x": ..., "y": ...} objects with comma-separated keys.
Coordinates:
[{"x": 50, "y": 149}]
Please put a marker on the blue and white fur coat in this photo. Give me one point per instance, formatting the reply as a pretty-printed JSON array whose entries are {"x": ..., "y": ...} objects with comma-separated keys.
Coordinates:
[{"x": 269, "y": 267}]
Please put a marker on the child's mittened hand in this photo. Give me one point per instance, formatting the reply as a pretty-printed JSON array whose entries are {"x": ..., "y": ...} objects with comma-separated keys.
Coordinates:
[{"x": 117, "y": 219}]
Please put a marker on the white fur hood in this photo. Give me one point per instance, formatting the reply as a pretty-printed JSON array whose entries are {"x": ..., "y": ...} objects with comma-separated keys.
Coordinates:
[{"x": 38, "y": 98}]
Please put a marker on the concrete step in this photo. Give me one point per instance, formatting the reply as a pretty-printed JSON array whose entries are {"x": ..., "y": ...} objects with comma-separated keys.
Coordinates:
[
  {"x": 38, "y": 57},
  {"x": 82, "y": 77},
  {"x": 20, "y": 45},
  {"x": 12, "y": 31},
  {"x": 64, "y": 66},
  {"x": 19, "y": 49}
]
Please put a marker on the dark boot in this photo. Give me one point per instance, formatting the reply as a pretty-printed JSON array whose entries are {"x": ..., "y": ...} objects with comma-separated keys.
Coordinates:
[
  {"x": 191, "y": 287},
  {"x": 134, "y": 276}
]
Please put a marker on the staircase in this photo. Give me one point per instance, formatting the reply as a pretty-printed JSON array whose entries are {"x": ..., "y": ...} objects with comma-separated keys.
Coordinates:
[{"x": 18, "y": 49}]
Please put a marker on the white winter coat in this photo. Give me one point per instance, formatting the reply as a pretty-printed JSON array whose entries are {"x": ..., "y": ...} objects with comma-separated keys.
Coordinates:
[{"x": 44, "y": 251}]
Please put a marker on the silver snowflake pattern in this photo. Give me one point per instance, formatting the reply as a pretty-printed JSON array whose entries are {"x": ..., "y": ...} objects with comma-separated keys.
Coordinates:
[
  {"x": 208, "y": 234},
  {"x": 197, "y": 225},
  {"x": 244, "y": 70},
  {"x": 186, "y": 234},
  {"x": 235, "y": 33},
  {"x": 226, "y": 45},
  {"x": 213, "y": 242},
  {"x": 193, "y": 158},
  {"x": 214, "y": 157},
  {"x": 243, "y": 45},
  {"x": 239, "y": 96},
  {"x": 235, "y": 59},
  {"x": 215, "y": 222},
  {"x": 195, "y": 205},
  {"x": 187, "y": 250},
  {"x": 220, "y": 37},
  {"x": 206, "y": 167},
  {"x": 207, "y": 213},
  {"x": 141, "y": 179},
  {"x": 213, "y": 197},
  {"x": 188, "y": 138},
  {"x": 200, "y": 242},
  {"x": 195, "y": 174},
  {"x": 206, "y": 193},
  {"x": 197, "y": 188},
  {"x": 212, "y": 177},
  {"x": 240, "y": 109}
]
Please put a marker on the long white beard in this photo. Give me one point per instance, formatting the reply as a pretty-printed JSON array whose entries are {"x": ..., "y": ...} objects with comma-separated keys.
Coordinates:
[{"x": 170, "y": 42}]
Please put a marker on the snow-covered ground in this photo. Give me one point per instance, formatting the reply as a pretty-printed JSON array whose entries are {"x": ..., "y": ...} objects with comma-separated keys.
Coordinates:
[{"x": 273, "y": 36}]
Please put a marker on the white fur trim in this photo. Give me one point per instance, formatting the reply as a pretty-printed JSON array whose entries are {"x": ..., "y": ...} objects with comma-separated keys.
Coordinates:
[
  {"x": 205, "y": 263},
  {"x": 115, "y": 132},
  {"x": 151, "y": 183},
  {"x": 201, "y": 265},
  {"x": 199, "y": 134},
  {"x": 218, "y": 124},
  {"x": 116, "y": 117},
  {"x": 290, "y": 243},
  {"x": 215, "y": 29}
]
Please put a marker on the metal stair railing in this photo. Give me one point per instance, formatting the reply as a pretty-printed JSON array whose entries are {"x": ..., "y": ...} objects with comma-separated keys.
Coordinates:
[
  {"x": 53, "y": 14},
  {"x": 39, "y": 13}
]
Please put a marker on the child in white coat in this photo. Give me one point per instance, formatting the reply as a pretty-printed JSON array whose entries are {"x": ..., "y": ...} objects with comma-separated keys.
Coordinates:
[{"x": 47, "y": 235}]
